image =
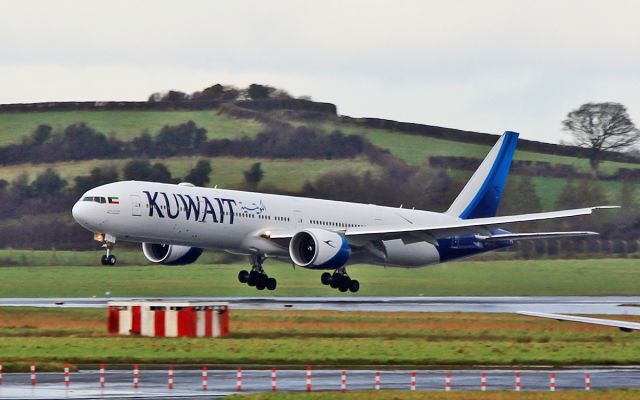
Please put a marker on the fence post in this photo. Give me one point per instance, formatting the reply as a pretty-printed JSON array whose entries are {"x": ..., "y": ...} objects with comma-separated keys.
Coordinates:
[
  {"x": 413, "y": 381},
  {"x": 587, "y": 382},
  {"x": 343, "y": 382},
  {"x": 170, "y": 377},
  {"x": 518, "y": 382},
  {"x": 205, "y": 384},
  {"x": 136, "y": 376},
  {"x": 102, "y": 375},
  {"x": 552, "y": 382},
  {"x": 377, "y": 380},
  {"x": 274, "y": 382},
  {"x": 447, "y": 382},
  {"x": 308, "y": 378},
  {"x": 33, "y": 372},
  {"x": 67, "y": 380},
  {"x": 483, "y": 382},
  {"x": 239, "y": 380}
]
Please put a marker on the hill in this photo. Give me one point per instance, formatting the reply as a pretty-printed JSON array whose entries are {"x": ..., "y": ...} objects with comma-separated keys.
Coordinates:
[{"x": 241, "y": 132}]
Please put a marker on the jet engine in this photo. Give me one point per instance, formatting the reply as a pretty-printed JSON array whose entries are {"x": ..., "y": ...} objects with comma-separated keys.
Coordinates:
[
  {"x": 169, "y": 254},
  {"x": 319, "y": 248}
]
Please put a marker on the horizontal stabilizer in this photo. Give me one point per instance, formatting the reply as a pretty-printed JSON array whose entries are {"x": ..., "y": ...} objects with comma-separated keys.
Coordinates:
[
  {"x": 622, "y": 325},
  {"x": 534, "y": 235}
]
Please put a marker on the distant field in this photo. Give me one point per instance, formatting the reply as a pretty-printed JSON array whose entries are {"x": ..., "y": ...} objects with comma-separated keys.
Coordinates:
[
  {"x": 127, "y": 124},
  {"x": 415, "y": 149},
  {"x": 227, "y": 171},
  {"x": 318, "y": 338},
  {"x": 467, "y": 278}
]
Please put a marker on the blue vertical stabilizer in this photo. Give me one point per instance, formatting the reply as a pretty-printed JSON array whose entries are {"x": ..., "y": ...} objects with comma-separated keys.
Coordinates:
[{"x": 481, "y": 195}]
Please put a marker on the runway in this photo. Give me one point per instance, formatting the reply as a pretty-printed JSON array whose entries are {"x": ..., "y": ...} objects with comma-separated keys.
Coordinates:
[
  {"x": 613, "y": 305},
  {"x": 188, "y": 383}
]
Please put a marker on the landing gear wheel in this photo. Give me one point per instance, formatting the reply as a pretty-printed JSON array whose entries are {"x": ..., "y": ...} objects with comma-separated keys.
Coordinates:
[
  {"x": 271, "y": 283},
  {"x": 345, "y": 284},
  {"x": 325, "y": 278},
  {"x": 355, "y": 286},
  {"x": 111, "y": 260},
  {"x": 253, "y": 278},
  {"x": 103, "y": 259},
  {"x": 243, "y": 276},
  {"x": 261, "y": 285},
  {"x": 335, "y": 281}
]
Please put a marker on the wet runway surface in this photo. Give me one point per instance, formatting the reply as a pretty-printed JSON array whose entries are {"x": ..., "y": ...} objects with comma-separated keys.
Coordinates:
[
  {"x": 188, "y": 383},
  {"x": 550, "y": 304}
]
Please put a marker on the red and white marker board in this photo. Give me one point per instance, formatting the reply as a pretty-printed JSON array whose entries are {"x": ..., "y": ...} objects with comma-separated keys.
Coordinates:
[{"x": 168, "y": 319}]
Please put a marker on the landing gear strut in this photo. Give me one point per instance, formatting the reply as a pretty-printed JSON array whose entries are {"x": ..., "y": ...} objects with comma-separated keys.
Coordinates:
[
  {"x": 108, "y": 242},
  {"x": 257, "y": 277},
  {"x": 340, "y": 280}
]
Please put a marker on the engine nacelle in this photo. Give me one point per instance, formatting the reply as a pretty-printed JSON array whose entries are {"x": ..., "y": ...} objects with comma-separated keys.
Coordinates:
[
  {"x": 319, "y": 248},
  {"x": 169, "y": 254}
]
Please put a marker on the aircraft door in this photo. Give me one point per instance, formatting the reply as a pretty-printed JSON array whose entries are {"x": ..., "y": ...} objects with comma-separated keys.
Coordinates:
[
  {"x": 297, "y": 217},
  {"x": 136, "y": 207}
]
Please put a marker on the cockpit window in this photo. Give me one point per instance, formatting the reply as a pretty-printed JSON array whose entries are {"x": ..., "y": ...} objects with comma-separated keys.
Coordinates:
[{"x": 95, "y": 199}]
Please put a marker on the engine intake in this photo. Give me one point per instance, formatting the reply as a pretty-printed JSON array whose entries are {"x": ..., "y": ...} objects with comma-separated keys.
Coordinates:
[
  {"x": 169, "y": 254},
  {"x": 319, "y": 248}
]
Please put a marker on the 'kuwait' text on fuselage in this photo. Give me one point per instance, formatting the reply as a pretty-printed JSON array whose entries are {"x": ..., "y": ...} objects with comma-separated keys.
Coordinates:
[{"x": 198, "y": 209}]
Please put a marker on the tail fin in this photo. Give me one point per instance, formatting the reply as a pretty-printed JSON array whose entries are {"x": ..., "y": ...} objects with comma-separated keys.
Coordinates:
[{"x": 481, "y": 195}]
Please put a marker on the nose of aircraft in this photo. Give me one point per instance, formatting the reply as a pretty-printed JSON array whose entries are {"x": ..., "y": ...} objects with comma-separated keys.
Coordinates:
[{"x": 80, "y": 212}]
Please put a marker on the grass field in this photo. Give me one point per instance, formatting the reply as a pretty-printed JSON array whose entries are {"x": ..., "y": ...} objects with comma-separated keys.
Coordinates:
[
  {"x": 227, "y": 171},
  {"x": 402, "y": 395},
  {"x": 415, "y": 148},
  {"x": 126, "y": 124},
  {"x": 467, "y": 278},
  {"x": 324, "y": 339}
]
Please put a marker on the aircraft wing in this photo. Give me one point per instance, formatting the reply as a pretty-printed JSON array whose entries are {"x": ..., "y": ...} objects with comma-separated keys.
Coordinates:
[
  {"x": 625, "y": 326},
  {"x": 477, "y": 225}
]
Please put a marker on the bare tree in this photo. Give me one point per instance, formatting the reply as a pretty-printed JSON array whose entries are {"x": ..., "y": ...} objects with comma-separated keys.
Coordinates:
[{"x": 601, "y": 127}]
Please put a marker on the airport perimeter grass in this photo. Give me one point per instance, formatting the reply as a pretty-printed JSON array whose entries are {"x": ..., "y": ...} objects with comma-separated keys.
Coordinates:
[
  {"x": 325, "y": 339},
  {"x": 622, "y": 394},
  {"x": 466, "y": 278}
]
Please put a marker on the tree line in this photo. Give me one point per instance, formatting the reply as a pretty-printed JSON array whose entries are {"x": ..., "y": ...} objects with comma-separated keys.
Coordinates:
[{"x": 82, "y": 142}]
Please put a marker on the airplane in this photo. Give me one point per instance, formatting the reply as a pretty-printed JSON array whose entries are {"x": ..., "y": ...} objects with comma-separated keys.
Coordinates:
[{"x": 175, "y": 222}]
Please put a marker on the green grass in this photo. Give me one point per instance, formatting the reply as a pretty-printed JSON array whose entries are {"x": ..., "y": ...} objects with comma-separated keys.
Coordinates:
[
  {"x": 415, "y": 148},
  {"x": 468, "y": 278},
  {"x": 227, "y": 171},
  {"x": 126, "y": 124},
  {"x": 323, "y": 339}
]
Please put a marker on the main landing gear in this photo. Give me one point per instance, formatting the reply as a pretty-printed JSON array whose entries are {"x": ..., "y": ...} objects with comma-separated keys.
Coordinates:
[
  {"x": 340, "y": 280},
  {"x": 108, "y": 259},
  {"x": 257, "y": 277}
]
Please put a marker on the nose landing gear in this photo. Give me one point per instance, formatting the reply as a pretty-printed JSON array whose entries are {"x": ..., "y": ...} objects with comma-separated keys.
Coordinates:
[
  {"x": 108, "y": 242},
  {"x": 340, "y": 280},
  {"x": 257, "y": 277}
]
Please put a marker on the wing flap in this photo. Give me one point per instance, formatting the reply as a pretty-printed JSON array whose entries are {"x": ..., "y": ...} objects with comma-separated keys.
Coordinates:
[{"x": 534, "y": 235}]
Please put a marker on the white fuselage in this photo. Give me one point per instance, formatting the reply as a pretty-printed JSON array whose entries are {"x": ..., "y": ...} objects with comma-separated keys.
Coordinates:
[{"x": 236, "y": 221}]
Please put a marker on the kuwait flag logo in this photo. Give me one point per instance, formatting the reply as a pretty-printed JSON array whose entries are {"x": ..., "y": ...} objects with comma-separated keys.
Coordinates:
[{"x": 114, "y": 200}]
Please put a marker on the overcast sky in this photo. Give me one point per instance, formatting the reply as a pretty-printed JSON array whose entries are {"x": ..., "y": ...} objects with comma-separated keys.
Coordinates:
[{"x": 478, "y": 65}]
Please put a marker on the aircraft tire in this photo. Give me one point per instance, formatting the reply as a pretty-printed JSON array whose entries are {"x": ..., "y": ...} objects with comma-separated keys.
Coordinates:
[
  {"x": 272, "y": 283},
  {"x": 111, "y": 260},
  {"x": 103, "y": 259},
  {"x": 253, "y": 278},
  {"x": 325, "y": 278},
  {"x": 354, "y": 286},
  {"x": 345, "y": 284},
  {"x": 243, "y": 276}
]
